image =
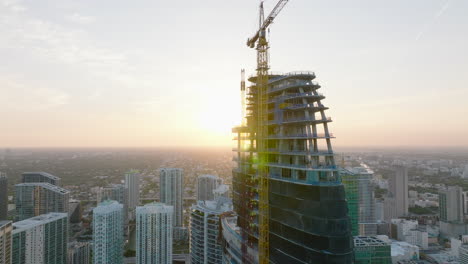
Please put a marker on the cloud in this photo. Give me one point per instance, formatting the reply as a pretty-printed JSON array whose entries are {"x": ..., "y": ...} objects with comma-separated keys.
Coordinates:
[
  {"x": 13, "y": 5},
  {"x": 65, "y": 44},
  {"x": 18, "y": 96},
  {"x": 80, "y": 19}
]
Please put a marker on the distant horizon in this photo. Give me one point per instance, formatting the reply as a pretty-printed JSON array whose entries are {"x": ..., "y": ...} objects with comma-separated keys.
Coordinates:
[
  {"x": 225, "y": 147},
  {"x": 78, "y": 73}
]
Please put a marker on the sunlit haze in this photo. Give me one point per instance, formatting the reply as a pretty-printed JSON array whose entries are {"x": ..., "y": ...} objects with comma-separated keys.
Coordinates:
[{"x": 167, "y": 73}]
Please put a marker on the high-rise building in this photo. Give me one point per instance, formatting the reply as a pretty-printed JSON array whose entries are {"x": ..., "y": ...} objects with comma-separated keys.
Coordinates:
[
  {"x": 3, "y": 196},
  {"x": 397, "y": 201},
  {"x": 79, "y": 253},
  {"x": 221, "y": 191},
  {"x": 171, "y": 186},
  {"x": 75, "y": 211},
  {"x": 28, "y": 177},
  {"x": 205, "y": 247},
  {"x": 116, "y": 192},
  {"x": 41, "y": 239},
  {"x": 451, "y": 205},
  {"x": 409, "y": 231},
  {"x": 108, "y": 233},
  {"x": 307, "y": 210},
  {"x": 33, "y": 199},
  {"x": 206, "y": 184},
  {"x": 465, "y": 172},
  {"x": 132, "y": 184},
  {"x": 361, "y": 202},
  {"x": 231, "y": 239},
  {"x": 154, "y": 234},
  {"x": 5, "y": 241},
  {"x": 371, "y": 249}
]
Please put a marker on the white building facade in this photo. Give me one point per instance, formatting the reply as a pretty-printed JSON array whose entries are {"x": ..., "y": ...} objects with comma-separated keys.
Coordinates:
[
  {"x": 154, "y": 234},
  {"x": 205, "y": 247},
  {"x": 41, "y": 239}
]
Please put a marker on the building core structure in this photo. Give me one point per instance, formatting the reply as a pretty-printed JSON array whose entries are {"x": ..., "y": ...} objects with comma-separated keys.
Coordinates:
[{"x": 307, "y": 210}]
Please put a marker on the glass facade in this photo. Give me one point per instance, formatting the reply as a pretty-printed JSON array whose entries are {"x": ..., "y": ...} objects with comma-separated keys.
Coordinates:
[
  {"x": 108, "y": 233},
  {"x": 41, "y": 239},
  {"x": 33, "y": 199}
]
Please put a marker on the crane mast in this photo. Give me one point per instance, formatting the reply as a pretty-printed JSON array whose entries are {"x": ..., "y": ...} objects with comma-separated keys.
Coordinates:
[
  {"x": 259, "y": 41},
  {"x": 243, "y": 97}
]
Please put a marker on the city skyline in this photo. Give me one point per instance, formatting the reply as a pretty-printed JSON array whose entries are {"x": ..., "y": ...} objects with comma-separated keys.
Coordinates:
[{"x": 94, "y": 80}]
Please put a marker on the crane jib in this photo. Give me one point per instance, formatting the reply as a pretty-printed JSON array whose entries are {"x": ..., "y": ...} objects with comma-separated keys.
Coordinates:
[{"x": 279, "y": 6}]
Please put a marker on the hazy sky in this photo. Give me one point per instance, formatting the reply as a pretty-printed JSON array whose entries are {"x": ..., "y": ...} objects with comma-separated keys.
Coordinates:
[{"x": 162, "y": 73}]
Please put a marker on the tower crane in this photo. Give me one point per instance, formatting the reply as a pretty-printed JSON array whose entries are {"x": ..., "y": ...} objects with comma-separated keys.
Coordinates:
[{"x": 260, "y": 43}]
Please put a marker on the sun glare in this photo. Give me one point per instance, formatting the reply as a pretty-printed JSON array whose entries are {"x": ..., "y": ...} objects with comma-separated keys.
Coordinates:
[{"x": 220, "y": 118}]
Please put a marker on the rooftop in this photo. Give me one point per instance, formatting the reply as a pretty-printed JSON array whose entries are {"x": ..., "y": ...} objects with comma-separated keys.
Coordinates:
[
  {"x": 209, "y": 176},
  {"x": 155, "y": 208},
  {"x": 362, "y": 241},
  {"x": 223, "y": 188},
  {"x": 45, "y": 185},
  {"x": 4, "y": 222},
  {"x": 45, "y": 174},
  {"x": 37, "y": 220},
  {"x": 222, "y": 204},
  {"x": 107, "y": 206}
]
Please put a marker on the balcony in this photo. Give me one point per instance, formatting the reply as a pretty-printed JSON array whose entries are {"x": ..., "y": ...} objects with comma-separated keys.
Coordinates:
[
  {"x": 299, "y": 120},
  {"x": 284, "y": 86}
]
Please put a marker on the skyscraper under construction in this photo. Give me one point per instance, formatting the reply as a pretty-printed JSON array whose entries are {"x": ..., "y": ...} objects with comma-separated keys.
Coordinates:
[{"x": 307, "y": 212}]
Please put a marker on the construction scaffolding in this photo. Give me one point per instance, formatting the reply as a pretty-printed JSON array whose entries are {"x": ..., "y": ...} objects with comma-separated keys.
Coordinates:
[{"x": 307, "y": 210}]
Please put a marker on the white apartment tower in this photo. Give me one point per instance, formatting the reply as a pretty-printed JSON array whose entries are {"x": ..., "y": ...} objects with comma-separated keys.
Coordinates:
[
  {"x": 171, "y": 192},
  {"x": 41, "y": 239},
  {"x": 108, "y": 233},
  {"x": 205, "y": 247},
  {"x": 132, "y": 184},
  {"x": 206, "y": 184},
  {"x": 154, "y": 234}
]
